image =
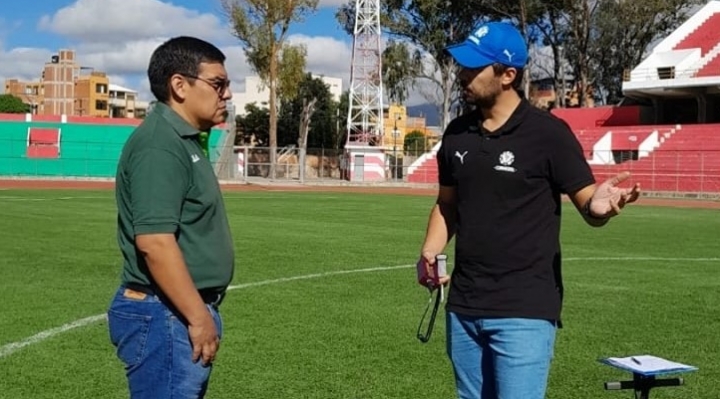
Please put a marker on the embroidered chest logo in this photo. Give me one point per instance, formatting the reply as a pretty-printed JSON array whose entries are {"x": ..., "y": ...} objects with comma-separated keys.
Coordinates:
[
  {"x": 460, "y": 156},
  {"x": 195, "y": 158},
  {"x": 506, "y": 159}
]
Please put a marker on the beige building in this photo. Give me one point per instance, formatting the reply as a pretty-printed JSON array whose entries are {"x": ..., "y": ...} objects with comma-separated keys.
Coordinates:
[
  {"x": 91, "y": 95},
  {"x": 125, "y": 104},
  {"x": 397, "y": 124},
  {"x": 58, "y": 80},
  {"x": 67, "y": 88},
  {"x": 30, "y": 93}
]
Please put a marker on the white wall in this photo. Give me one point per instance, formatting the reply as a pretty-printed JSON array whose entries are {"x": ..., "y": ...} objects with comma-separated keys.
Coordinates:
[{"x": 255, "y": 92}]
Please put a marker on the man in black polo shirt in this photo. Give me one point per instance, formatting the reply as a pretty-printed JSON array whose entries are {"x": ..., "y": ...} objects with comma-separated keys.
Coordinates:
[
  {"x": 503, "y": 168},
  {"x": 173, "y": 231}
]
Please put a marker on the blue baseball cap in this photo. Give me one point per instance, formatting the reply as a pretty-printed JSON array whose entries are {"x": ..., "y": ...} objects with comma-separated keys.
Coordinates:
[{"x": 494, "y": 42}]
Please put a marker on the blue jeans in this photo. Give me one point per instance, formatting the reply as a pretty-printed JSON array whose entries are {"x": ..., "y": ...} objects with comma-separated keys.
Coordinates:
[
  {"x": 152, "y": 342},
  {"x": 500, "y": 358}
]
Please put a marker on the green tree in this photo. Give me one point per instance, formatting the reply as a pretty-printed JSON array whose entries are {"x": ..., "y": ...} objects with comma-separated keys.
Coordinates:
[
  {"x": 579, "y": 48},
  {"x": 399, "y": 66},
  {"x": 553, "y": 32},
  {"x": 415, "y": 143},
  {"x": 262, "y": 27},
  {"x": 253, "y": 126},
  {"x": 323, "y": 122},
  {"x": 341, "y": 118},
  {"x": 10, "y": 104}
]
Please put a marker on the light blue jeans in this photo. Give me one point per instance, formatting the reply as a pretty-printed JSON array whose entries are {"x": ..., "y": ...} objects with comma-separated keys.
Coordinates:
[
  {"x": 153, "y": 344},
  {"x": 500, "y": 358}
]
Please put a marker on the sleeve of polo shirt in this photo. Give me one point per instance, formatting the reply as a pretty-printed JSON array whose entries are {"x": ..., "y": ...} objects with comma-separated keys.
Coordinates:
[
  {"x": 568, "y": 166},
  {"x": 158, "y": 183}
]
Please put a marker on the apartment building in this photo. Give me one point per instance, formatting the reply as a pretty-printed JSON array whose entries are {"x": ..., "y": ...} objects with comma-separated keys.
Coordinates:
[
  {"x": 92, "y": 95},
  {"x": 67, "y": 88},
  {"x": 397, "y": 124},
  {"x": 30, "y": 93},
  {"x": 124, "y": 103}
]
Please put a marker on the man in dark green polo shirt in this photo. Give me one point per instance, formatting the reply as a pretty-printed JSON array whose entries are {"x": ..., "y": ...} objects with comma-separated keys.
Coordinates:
[{"x": 173, "y": 231}]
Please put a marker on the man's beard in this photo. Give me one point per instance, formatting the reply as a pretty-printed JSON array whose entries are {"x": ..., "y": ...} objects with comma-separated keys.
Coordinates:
[
  {"x": 487, "y": 99},
  {"x": 486, "y": 102}
]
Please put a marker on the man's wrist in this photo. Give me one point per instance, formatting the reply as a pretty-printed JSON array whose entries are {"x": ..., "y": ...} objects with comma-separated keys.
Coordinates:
[
  {"x": 589, "y": 214},
  {"x": 427, "y": 252}
]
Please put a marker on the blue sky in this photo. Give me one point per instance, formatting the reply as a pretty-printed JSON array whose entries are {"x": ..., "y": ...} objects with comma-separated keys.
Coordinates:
[
  {"x": 118, "y": 36},
  {"x": 26, "y": 33}
]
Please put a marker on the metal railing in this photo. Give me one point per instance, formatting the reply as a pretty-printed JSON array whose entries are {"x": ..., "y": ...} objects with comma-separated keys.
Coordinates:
[{"x": 662, "y": 171}]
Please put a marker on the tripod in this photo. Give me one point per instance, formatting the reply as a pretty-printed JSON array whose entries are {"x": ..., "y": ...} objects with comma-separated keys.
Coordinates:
[
  {"x": 645, "y": 374},
  {"x": 642, "y": 384}
]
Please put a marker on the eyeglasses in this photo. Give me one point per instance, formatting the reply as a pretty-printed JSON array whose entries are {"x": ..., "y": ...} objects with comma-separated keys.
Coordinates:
[{"x": 219, "y": 85}]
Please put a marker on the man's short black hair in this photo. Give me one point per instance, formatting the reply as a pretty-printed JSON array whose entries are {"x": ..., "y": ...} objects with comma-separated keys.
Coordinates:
[
  {"x": 516, "y": 84},
  {"x": 180, "y": 55}
]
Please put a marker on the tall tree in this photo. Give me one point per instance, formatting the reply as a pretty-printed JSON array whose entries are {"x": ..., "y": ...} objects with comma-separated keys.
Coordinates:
[
  {"x": 252, "y": 126},
  {"x": 429, "y": 26},
  {"x": 322, "y": 124},
  {"x": 10, "y": 104},
  {"x": 340, "y": 133},
  {"x": 262, "y": 27},
  {"x": 581, "y": 16},
  {"x": 553, "y": 32},
  {"x": 399, "y": 66}
]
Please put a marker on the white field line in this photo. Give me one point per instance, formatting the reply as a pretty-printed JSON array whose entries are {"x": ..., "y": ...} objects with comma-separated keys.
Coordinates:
[
  {"x": 9, "y": 349},
  {"x": 28, "y": 199}
]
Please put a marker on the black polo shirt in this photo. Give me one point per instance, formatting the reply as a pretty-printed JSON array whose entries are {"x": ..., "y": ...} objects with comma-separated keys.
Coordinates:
[{"x": 509, "y": 182}]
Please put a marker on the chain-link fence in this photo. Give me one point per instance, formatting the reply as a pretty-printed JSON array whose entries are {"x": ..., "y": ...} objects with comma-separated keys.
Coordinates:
[
  {"x": 666, "y": 171},
  {"x": 660, "y": 171}
]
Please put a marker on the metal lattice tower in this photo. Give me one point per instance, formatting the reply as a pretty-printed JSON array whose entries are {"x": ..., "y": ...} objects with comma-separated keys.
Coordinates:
[{"x": 365, "y": 114}]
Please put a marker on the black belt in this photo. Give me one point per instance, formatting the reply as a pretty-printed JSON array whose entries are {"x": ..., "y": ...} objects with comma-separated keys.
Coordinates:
[{"x": 209, "y": 296}]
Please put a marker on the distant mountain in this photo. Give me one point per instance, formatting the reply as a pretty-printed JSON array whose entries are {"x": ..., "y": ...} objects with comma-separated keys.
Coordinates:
[{"x": 429, "y": 111}]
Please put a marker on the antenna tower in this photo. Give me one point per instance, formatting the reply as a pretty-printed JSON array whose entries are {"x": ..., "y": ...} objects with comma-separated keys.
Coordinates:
[{"x": 365, "y": 114}]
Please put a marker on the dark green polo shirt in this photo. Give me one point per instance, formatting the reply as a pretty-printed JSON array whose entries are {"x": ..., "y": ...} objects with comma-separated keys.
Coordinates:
[{"x": 165, "y": 184}]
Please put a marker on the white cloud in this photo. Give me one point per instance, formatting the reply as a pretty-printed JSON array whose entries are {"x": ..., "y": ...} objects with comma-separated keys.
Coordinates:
[
  {"x": 23, "y": 63},
  {"x": 121, "y": 46},
  {"x": 326, "y": 56},
  {"x": 129, "y": 58},
  {"x": 120, "y": 21}
]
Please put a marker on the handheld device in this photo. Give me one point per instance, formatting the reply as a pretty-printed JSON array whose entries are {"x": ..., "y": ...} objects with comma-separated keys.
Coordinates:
[{"x": 438, "y": 269}]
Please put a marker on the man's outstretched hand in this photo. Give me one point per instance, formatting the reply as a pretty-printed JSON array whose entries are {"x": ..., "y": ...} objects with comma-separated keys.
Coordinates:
[{"x": 609, "y": 199}]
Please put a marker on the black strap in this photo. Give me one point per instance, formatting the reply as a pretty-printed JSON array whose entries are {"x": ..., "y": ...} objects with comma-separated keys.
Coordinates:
[{"x": 424, "y": 338}]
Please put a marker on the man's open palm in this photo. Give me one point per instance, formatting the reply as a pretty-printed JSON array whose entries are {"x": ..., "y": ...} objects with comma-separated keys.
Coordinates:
[{"x": 609, "y": 199}]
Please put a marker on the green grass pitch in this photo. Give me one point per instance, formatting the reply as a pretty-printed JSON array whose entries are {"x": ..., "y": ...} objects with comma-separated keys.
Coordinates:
[{"x": 648, "y": 282}]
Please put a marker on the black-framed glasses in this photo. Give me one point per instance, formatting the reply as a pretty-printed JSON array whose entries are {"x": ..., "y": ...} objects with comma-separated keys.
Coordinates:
[
  {"x": 219, "y": 85},
  {"x": 424, "y": 337}
]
